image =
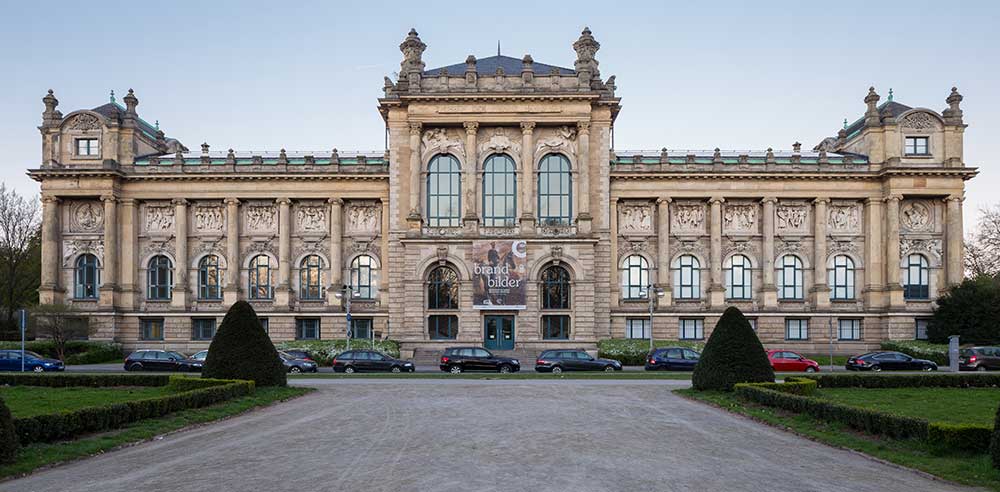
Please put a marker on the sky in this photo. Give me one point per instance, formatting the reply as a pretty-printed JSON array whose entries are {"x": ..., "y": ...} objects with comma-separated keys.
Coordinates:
[{"x": 305, "y": 75}]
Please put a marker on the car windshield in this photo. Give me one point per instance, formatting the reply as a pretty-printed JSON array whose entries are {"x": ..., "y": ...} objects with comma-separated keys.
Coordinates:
[
  {"x": 31, "y": 354},
  {"x": 967, "y": 352}
]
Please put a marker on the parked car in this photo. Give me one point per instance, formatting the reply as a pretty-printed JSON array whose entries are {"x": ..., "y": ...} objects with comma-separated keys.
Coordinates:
[
  {"x": 10, "y": 360},
  {"x": 298, "y": 354},
  {"x": 296, "y": 365},
  {"x": 672, "y": 359},
  {"x": 888, "y": 361},
  {"x": 369, "y": 361},
  {"x": 979, "y": 359},
  {"x": 788, "y": 361},
  {"x": 194, "y": 363},
  {"x": 557, "y": 361},
  {"x": 460, "y": 359},
  {"x": 154, "y": 360}
]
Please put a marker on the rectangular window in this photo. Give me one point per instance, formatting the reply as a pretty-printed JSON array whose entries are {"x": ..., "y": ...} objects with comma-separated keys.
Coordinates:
[
  {"x": 307, "y": 329},
  {"x": 88, "y": 147},
  {"x": 753, "y": 323},
  {"x": 361, "y": 328},
  {"x": 202, "y": 328},
  {"x": 849, "y": 329},
  {"x": 796, "y": 329},
  {"x": 264, "y": 323},
  {"x": 916, "y": 146},
  {"x": 442, "y": 326},
  {"x": 692, "y": 329},
  {"x": 555, "y": 327},
  {"x": 152, "y": 328},
  {"x": 921, "y": 328},
  {"x": 637, "y": 328}
]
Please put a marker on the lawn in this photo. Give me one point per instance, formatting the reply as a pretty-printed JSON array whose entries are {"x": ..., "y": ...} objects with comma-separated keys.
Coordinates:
[
  {"x": 28, "y": 401},
  {"x": 824, "y": 360},
  {"x": 953, "y": 405},
  {"x": 492, "y": 375}
]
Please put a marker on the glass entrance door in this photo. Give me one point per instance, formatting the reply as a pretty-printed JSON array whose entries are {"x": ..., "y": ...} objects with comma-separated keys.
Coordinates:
[{"x": 498, "y": 332}]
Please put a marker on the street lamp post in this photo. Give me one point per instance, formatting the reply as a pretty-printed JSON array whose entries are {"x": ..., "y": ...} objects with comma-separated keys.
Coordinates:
[
  {"x": 652, "y": 293},
  {"x": 347, "y": 293}
]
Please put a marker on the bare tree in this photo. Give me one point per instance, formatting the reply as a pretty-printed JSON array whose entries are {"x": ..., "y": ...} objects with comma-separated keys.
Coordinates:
[
  {"x": 982, "y": 248},
  {"x": 58, "y": 323},
  {"x": 19, "y": 251}
]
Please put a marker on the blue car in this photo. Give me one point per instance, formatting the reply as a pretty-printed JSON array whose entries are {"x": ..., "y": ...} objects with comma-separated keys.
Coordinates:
[{"x": 10, "y": 360}]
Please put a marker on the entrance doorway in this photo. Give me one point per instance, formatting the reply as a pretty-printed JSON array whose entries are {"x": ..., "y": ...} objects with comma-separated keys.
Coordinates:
[{"x": 498, "y": 332}]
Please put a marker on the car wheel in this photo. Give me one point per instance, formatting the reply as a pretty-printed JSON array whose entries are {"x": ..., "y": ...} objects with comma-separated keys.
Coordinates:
[
  {"x": 556, "y": 370},
  {"x": 927, "y": 368},
  {"x": 876, "y": 368},
  {"x": 294, "y": 370},
  {"x": 349, "y": 370},
  {"x": 134, "y": 367},
  {"x": 609, "y": 369},
  {"x": 810, "y": 369},
  {"x": 981, "y": 368},
  {"x": 455, "y": 369},
  {"x": 504, "y": 369},
  {"x": 396, "y": 369},
  {"x": 38, "y": 369}
]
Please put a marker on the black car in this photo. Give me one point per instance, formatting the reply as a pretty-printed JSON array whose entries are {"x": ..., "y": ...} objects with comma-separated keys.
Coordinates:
[
  {"x": 353, "y": 361},
  {"x": 459, "y": 359},
  {"x": 194, "y": 363},
  {"x": 979, "y": 359},
  {"x": 296, "y": 365},
  {"x": 888, "y": 361},
  {"x": 557, "y": 361},
  {"x": 154, "y": 360},
  {"x": 672, "y": 359}
]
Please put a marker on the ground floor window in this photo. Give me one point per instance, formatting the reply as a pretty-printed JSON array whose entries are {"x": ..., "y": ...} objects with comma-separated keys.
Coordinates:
[
  {"x": 442, "y": 326},
  {"x": 796, "y": 329},
  {"x": 849, "y": 329},
  {"x": 921, "y": 328},
  {"x": 307, "y": 329},
  {"x": 361, "y": 327},
  {"x": 753, "y": 324},
  {"x": 265, "y": 325},
  {"x": 637, "y": 328},
  {"x": 152, "y": 328},
  {"x": 692, "y": 329},
  {"x": 555, "y": 327},
  {"x": 202, "y": 328}
]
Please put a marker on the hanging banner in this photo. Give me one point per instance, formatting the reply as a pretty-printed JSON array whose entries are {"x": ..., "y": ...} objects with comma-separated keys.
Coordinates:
[{"x": 499, "y": 274}]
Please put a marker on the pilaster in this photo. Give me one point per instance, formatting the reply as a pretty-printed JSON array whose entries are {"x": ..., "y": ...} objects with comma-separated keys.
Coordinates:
[
  {"x": 528, "y": 177},
  {"x": 49, "y": 287},
  {"x": 179, "y": 294},
  {"x": 471, "y": 217},
  {"x": 414, "y": 220},
  {"x": 892, "y": 259},
  {"x": 282, "y": 293},
  {"x": 716, "y": 289},
  {"x": 663, "y": 251},
  {"x": 874, "y": 257},
  {"x": 820, "y": 289},
  {"x": 231, "y": 292},
  {"x": 768, "y": 290},
  {"x": 109, "y": 278},
  {"x": 954, "y": 250},
  {"x": 583, "y": 217},
  {"x": 336, "y": 251},
  {"x": 127, "y": 282}
]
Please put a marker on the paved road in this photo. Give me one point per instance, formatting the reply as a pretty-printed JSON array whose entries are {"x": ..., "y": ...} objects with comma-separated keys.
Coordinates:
[{"x": 461, "y": 435}]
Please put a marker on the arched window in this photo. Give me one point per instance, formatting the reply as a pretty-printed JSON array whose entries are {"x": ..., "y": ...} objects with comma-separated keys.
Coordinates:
[
  {"x": 555, "y": 288},
  {"x": 916, "y": 281},
  {"x": 739, "y": 278},
  {"x": 259, "y": 276},
  {"x": 789, "y": 270},
  {"x": 159, "y": 278},
  {"x": 499, "y": 191},
  {"x": 87, "y": 276},
  {"x": 310, "y": 277},
  {"x": 442, "y": 288},
  {"x": 209, "y": 278},
  {"x": 444, "y": 191},
  {"x": 840, "y": 272},
  {"x": 362, "y": 278},
  {"x": 555, "y": 190},
  {"x": 687, "y": 277},
  {"x": 635, "y": 277}
]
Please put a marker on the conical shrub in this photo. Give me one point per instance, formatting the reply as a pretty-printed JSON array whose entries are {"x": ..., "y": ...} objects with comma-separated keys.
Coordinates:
[
  {"x": 733, "y": 354},
  {"x": 242, "y": 350},
  {"x": 8, "y": 436},
  {"x": 995, "y": 442}
]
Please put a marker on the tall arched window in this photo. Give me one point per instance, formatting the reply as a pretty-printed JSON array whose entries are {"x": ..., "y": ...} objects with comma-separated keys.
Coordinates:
[
  {"x": 310, "y": 277},
  {"x": 635, "y": 277},
  {"x": 916, "y": 281},
  {"x": 499, "y": 191},
  {"x": 362, "y": 277},
  {"x": 739, "y": 277},
  {"x": 687, "y": 277},
  {"x": 555, "y": 190},
  {"x": 86, "y": 277},
  {"x": 209, "y": 278},
  {"x": 555, "y": 296},
  {"x": 444, "y": 191},
  {"x": 840, "y": 272},
  {"x": 259, "y": 277},
  {"x": 789, "y": 269},
  {"x": 159, "y": 278},
  {"x": 442, "y": 294}
]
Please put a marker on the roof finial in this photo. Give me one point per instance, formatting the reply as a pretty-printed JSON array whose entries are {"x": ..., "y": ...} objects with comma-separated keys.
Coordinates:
[
  {"x": 157, "y": 124},
  {"x": 112, "y": 96},
  {"x": 498, "y": 47},
  {"x": 890, "y": 94},
  {"x": 845, "y": 123}
]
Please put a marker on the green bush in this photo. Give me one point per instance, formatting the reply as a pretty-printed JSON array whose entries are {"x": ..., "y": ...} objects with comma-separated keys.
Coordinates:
[
  {"x": 792, "y": 386},
  {"x": 970, "y": 310},
  {"x": 995, "y": 442},
  {"x": 733, "y": 354},
  {"x": 242, "y": 350},
  {"x": 959, "y": 437},
  {"x": 920, "y": 349},
  {"x": 90, "y": 380},
  {"x": 8, "y": 435},
  {"x": 323, "y": 351},
  {"x": 906, "y": 380},
  {"x": 77, "y": 351},
  {"x": 633, "y": 351},
  {"x": 184, "y": 383}
]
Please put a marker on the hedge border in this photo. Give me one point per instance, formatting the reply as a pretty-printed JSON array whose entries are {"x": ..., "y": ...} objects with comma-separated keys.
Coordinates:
[
  {"x": 90, "y": 380},
  {"x": 906, "y": 380}
]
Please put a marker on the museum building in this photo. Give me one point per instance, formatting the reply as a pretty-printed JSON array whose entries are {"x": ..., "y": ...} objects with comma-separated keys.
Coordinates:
[{"x": 501, "y": 214}]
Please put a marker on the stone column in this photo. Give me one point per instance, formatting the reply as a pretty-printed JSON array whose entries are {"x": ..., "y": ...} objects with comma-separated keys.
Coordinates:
[
  {"x": 892, "y": 259},
  {"x": 336, "y": 251},
  {"x": 109, "y": 273},
  {"x": 527, "y": 177},
  {"x": 129, "y": 254},
  {"x": 283, "y": 292},
  {"x": 50, "y": 251},
  {"x": 716, "y": 289},
  {"x": 955, "y": 247},
  {"x": 414, "y": 219},
  {"x": 178, "y": 298},
  {"x": 820, "y": 288},
  {"x": 874, "y": 255},
  {"x": 768, "y": 290},
  {"x": 231, "y": 293},
  {"x": 663, "y": 279},
  {"x": 471, "y": 216},
  {"x": 583, "y": 217}
]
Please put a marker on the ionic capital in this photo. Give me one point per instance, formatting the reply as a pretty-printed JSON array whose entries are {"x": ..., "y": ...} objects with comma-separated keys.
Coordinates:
[
  {"x": 583, "y": 126},
  {"x": 179, "y": 202},
  {"x": 821, "y": 200},
  {"x": 527, "y": 127},
  {"x": 664, "y": 200},
  {"x": 471, "y": 127},
  {"x": 769, "y": 199},
  {"x": 283, "y": 201},
  {"x": 232, "y": 202},
  {"x": 337, "y": 202},
  {"x": 109, "y": 198},
  {"x": 50, "y": 199},
  {"x": 415, "y": 127},
  {"x": 716, "y": 199},
  {"x": 954, "y": 198},
  {"x": 893, "y": 198}
]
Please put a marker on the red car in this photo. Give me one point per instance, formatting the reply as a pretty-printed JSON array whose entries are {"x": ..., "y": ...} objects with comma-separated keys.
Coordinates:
[{"x": 788, "y": 361}]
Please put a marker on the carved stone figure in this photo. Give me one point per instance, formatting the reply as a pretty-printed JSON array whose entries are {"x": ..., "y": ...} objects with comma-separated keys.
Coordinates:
[
  {"x": 311, "y": 218},
  {"x": 562, "y": 138},
  {"x": 791, "y": 217},
  {"x": 844, "y": 218},
  {"x": 159, "y": 218},
  {"x": 76, "y": 246},
  {"x": 500, "y": 142},
  {"x": 261, "y": 217},
  {"x": 828, "y": 144},
  {"x": 688, "y": 217},
  {"x": 88, "y": 217},
  {"x": 437, "y": 141},
  {"x": 931, "y": 246},
  {"x": 740, "y": 217},
  {"x": 364, "y": 218},
  {"x": 919, "y": 121},
  {"x": 916, "y": 216},
  {"x": 208, "y": 219},
  {"x": 635, "y": 218},
  {"x": 85, "y": 122}
]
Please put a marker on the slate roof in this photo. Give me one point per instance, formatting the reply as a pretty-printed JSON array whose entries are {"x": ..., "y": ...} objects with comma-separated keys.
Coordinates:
[
  {"x": 115, "y": 111},
  {"x": 489, "y": 65},
  {"x": 885, "y": 110}
]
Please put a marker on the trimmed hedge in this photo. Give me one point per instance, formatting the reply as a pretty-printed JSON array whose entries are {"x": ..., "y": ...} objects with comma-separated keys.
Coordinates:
[
  {"x": 935, "y": 352},
  {"x": 959, "y": 437},
  {"x": 77, "y": 351},
  {"x": 241, "y": 349},
  {"x": 633, "y": 351},
  {"x": 8, "y": 435},
  {"x": 792, "y": 386},
  {"x": 906, "y": 380},
  {"x": 323, "y": 351},
  {"x": 995, "y": 442},
  {"x": 732, "y": 355},
  {"x": 91, "y": 380}
]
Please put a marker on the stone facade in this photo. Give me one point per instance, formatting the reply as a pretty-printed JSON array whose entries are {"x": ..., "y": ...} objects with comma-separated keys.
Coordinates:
[{"x": 777, "y": 233}]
